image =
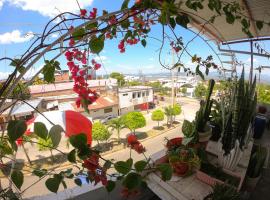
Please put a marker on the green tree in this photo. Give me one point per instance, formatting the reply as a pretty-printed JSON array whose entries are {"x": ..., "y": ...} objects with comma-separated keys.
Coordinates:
[
  {"x": 117, "y": 124},
  {"x": 20, "y": 91},
  {"x": 157, "y": 115},
  {"x": 133, "y": 83},
  {"x": 119, "y": 77},
  {"x": 200, "y": 90},
  {"x": 177, "y": 110},
  {"x": 183, "y": 90},
  {"x": 38, "y": 81},
  {"x": 134, "y": 120},
  {"x": 263, "y": 92},
  {"x": 169, "y": 113},
  {"x": 100, "y": 132},
  {"x": 157, "y": 87}
]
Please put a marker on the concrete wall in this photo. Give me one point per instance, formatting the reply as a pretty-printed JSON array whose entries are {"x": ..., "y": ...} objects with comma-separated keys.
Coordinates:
[{"x": 101, "y": 114}]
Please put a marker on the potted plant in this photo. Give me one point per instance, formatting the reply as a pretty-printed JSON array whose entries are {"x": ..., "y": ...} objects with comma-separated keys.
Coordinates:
[
  {"x": 223, "y": 192},
  {"x": 216, "y": 120},
  {"x": 182, "y": 158},
  {"x": 203, "y": 128},
  {"x": 237, "y": 115},
  {"x": 255, "y": 166}
]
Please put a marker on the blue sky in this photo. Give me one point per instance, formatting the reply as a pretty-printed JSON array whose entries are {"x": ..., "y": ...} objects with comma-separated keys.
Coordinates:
[{"x": 19, "y": 17}]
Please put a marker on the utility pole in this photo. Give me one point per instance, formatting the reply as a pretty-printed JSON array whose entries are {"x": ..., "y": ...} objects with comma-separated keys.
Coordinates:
[{"x": 173, "y": 79}]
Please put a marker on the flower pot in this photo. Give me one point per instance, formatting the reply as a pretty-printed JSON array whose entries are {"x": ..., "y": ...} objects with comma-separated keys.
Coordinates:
[
  {"x": 252, "y": 182},
  {"x": 180, "y": 168},
  {"x": 206, "y": 135}
]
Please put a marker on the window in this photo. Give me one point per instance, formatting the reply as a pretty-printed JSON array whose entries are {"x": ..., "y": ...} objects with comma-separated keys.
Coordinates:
[
  {"x": 139, "y": 94},
  {"x": 143, "y": 94},
  {"x": 134, "y": 95},
  {"x": 125, "y": 94},
  {"x": 108, "y": 110},
  {"x": 147, "y": 93}
]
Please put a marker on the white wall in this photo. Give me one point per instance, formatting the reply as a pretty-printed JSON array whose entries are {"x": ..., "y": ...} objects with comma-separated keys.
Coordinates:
[
  {"x": 126, "y": 98},
  {"x": 100, "y": 113}
]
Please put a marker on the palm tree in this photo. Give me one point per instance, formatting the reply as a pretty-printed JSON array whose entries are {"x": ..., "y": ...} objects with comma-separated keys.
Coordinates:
[
  {"x": 169, "y": 114},
  {"x": 117, "y": 124}
]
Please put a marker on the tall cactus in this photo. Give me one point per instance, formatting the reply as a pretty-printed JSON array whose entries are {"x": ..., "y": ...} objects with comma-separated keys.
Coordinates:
[
  {"x": 202, "y": 116},
  {"x": 240, "y": 113}
]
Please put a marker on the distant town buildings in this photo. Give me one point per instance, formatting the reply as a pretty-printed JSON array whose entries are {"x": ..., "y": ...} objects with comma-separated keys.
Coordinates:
[{"x": 134, "y": 98}]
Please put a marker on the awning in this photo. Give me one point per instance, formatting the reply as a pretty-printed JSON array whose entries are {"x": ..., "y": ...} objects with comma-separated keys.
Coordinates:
[
  {"x": 24, "y": 108},
  {"x": 220, "y": 30}
]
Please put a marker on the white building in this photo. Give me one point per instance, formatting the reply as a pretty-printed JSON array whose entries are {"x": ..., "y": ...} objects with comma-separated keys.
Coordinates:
[
  {"x": 180, "y": 81},
  {"x": 134, "y": 98}
]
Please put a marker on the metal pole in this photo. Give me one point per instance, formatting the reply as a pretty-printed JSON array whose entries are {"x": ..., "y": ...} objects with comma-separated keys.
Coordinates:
[
  {"x": 251, "y": 61},
  {"x": 172, "y": 72}
]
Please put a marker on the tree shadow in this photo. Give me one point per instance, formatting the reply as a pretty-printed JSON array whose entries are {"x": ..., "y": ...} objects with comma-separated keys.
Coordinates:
[
  {"x": 159, "y": 128},
  {"x": 141, "y": 135},
  {"x": 176, "y": 122}
]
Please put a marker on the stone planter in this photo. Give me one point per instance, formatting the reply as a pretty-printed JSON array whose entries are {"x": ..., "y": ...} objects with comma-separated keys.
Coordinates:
[
  {"x": 231, "y": 160},
  {"x": 251, "y": 182},
  {"x": 205, "y": 136},
  {"x": 207, "y": 179}
]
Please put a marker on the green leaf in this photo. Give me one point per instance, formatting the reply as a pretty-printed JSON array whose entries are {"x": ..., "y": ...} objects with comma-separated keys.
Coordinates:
[
  {"x": 187, "y": 140},
  {"x": 40, "y": 172},
  {"x": 91, "y": 26},
  {"x": 259, "y": 24},
  {"x": 40, "y": 130},
  {"x": 125, "y": 4},
  {"x": 16, "y": 129},
  {"x": 140, "y": 165},
  {"x": 129, "y": 162},
  {"x": 143, "y": 42},
  {"x": 198, "y": 72},
  {"x": 78, "y": 141},
  {"x": 64, "y": 184},
  {"x": 53, "y": 184},
  {"x": 49, "y": 70},
  {"x": 172, "y": 22},
  {"x": 122, "y": 167},
  {"x": 17, "y": 178},
  {"x": 182, "y": 20},
  {"x": 56, "y": 134},
  {"x": 78, "y": 34},
  {"x": 15, "y": 62},
  {"x": 96, "y": 44},
  {"x": 110, "y": 186},
  {"x": 245, "y": 23},
  {"x": 125, "y": 24},
  {"x": 72, "y": 156},
  {"x": 78, "y": 182},
  {"x": 230, "y": 18},
  {"x": 166, "y": 171},
  {"x": 132, "y": 180},
  {"x": 5, "y": 149}
]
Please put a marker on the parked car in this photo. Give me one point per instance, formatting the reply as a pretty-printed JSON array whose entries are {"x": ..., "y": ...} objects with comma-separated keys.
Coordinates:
[
  {"x": 151, "y": 105},
  {"x": 106, "y": 119}
]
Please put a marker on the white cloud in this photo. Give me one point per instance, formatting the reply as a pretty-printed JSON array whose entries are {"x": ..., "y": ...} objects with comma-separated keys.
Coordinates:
[
  {"x": 254, "y": 60},
  {"x": 15, "y": 37},
  {"x": 50, "y": 8},
  {"x": 4, "y": 75},
  {"x": 1, "y": 3}
]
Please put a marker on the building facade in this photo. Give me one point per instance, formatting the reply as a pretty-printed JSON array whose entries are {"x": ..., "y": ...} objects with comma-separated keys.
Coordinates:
[{"x": 134, "y": 98}]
